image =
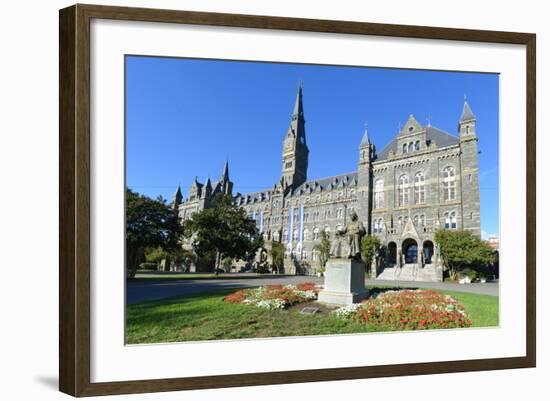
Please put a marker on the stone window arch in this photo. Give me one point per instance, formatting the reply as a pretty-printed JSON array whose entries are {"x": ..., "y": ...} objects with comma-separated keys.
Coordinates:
[
  {"x": 449, "y": 184},
  {"x": 315, "y": 234},
  {"x": 379, "y": 194},
  {"x": 405, "y": 148},
  {"x": 417, "y": 145},
  {"x": 419, "y": 188},
  {"x": 403, "y": 190}
]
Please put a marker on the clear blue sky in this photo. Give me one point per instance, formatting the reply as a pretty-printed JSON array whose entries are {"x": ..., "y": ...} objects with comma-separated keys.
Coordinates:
[{"x": 184, "y": 117}]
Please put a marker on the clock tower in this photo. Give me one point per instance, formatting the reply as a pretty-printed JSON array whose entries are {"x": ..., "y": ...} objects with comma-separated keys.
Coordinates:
[{"x": 295, "y": 150}]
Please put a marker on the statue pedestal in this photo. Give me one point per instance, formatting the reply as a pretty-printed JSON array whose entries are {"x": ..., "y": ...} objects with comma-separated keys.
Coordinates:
[{"x": 344, "y": 282}]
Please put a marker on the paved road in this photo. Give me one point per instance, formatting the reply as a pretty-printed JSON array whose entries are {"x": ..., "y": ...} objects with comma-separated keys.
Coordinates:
[{"x": 151, "y": 290}]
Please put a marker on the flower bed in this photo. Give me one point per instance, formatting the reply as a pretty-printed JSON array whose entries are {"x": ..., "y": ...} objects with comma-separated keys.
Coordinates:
[
  {"x": 408, "y": 310},
  {"x": 274, "y": 296}
]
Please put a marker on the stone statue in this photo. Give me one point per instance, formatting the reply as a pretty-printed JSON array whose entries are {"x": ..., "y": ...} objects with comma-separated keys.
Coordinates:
[{"x": 354, "y": 232}]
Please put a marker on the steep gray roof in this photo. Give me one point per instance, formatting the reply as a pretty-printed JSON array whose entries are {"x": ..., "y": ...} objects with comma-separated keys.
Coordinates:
[
  {"x": 467, "y": 113},
  {"x": 311, "y": 186},
  {"x": 441, "y": 138},
  {"x": 365, "y": 140},
  {"x": 332, "y": 182}
]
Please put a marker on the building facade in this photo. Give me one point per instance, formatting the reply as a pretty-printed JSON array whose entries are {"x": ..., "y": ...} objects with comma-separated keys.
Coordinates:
[{"x": 423, "y": 180}]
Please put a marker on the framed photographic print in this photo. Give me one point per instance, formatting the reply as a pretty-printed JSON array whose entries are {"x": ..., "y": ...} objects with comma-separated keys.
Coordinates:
[{"x": 249, "y": 200}]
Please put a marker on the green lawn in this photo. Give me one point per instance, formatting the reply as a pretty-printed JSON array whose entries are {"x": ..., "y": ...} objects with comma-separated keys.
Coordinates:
[{"x": 207, "y": 317}]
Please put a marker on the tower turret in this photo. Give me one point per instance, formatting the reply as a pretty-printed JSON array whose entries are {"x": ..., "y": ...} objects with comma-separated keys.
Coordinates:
[
  {"x": 226, "y": 186},
  {"x": 367, "y": 154},
  {"x": 295, "y": 150},
  {"x": 467, "y": 123},
  {"x": 178, "y": 198},
  {"x": 470, "y": 171}
]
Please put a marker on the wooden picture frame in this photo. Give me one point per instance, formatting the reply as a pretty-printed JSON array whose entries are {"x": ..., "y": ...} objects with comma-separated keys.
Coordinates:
[{"x": 75, "y": 207}]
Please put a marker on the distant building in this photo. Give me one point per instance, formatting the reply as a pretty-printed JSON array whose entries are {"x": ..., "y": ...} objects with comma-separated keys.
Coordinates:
[
  {"x": 423, "y": 180},
  {"x": 494, "y": 242}
]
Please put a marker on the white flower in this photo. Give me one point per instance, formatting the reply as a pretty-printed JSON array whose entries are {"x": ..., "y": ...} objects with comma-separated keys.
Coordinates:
[
  {"x": 346, "y": 311},
  {"x": 271, "y": 304}
]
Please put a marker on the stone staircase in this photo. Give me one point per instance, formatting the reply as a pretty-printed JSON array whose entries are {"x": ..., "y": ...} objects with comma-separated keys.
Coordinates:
[{"x": 410, "y": 272}]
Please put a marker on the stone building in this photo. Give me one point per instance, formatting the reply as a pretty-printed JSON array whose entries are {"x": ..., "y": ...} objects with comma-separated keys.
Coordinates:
[{"x": 422, "y": 180}]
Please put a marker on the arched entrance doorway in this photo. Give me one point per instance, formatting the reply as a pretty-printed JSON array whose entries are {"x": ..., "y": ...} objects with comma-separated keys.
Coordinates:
[
  {"x": 410, "y": 251},
  {"x": 428, "y": 252},
  {"x": 392, "y": 253}
]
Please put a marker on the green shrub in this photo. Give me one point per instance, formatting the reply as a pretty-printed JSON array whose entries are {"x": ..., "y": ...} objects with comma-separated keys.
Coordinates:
[{"x": 148, "y": 266}]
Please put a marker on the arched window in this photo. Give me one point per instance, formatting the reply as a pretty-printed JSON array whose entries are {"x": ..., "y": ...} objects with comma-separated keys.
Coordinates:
[
  {"x": 285, "y": 236},
  {"x": 315, "y": 234},
  {"x": 417, "y": 145},
  {"x": 415, "y": 220},
  {"x": 276, "y": 236},
  {"x": 447, "y": 220},
  {"x": 378, "y": 226},
  {"x": 404, "y": 148},
  {"x": 403, "y": 190},
  {"x": 453, "y": 220},
  {"x": 295, "y": 235},
  {"x": 419, "y": 190},
  {"x": 306, "y": 235},
  {"x": 411, "y": 147},
  {"x": 400, "y": 221},
  {"x": 327, "y": 232},
  {"x": 422, "y": 220},
  {"x": 449, "y": 184},
  {"x": 329, "y": 197},
  {"x": 379, "y": 194}
]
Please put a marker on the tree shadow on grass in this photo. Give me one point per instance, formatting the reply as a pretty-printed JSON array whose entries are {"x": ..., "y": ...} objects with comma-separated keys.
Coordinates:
[{"x": 376, "y": 291}]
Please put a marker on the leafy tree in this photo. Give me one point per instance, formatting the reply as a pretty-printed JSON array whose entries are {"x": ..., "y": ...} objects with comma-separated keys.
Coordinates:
[
  {"x": 225, "y": 229},
  {"x": 323, "y": 249},
  {"x": 226, "y": 263},
  {"x": 150, "y": 223},
  {"x": 278, "y": 256},
  {"x": 370, "y": 246},
  {"x": 155, "y": 254},
  {"x": 460, "y": 249}
]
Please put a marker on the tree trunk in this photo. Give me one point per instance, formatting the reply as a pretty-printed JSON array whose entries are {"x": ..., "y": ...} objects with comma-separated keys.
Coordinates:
[
  {"x": 217, "y": 264},
  {"x": 133, "y": 257}
]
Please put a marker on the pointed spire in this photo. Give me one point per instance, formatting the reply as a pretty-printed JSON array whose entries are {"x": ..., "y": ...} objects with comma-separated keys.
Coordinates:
[
  {"x": 208, "y": 183},
  {"x": 225, "y": 174},
  {"x": 178, "y": 197},
  {"x": 365, "y": 140},
  {"x": 467, "y": 113},
  {"x": 298, "y": 105},
  {"x": 297, "y": 121}
]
